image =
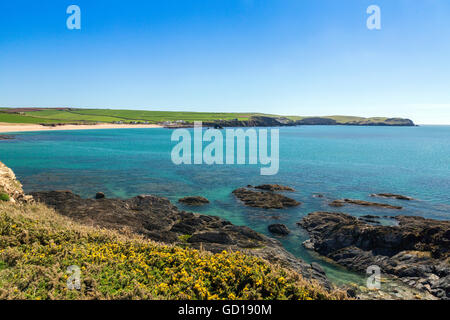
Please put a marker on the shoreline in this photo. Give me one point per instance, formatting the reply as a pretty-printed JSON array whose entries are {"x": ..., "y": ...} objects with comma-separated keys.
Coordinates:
[{"x": 23, "y": 127}]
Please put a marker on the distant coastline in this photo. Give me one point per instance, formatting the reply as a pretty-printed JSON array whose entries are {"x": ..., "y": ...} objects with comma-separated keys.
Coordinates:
[{"x": 51, "y": 119}]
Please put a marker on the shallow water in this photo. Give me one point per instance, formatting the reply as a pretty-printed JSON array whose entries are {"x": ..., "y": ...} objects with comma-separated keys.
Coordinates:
[{"x": 336, "y": 161}]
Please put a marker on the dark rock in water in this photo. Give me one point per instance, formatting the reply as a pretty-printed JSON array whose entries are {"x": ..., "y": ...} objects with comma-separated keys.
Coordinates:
[
  {"x": 194, "y": 201},
  {"x": 274, "y": 187},
  {"x": 280, "y": 229},
  {"x": 6, "y": 137},
  {"x": 416, "y": 251},
  {"x": 99, "y": 195},
  {"x": 391, "y": 195},
  {"x": 318, "y": 195},
  {"x": 341, "y": 203},
  {"x": 265, "y": 200},
  {"x": 158, "y": 219}
]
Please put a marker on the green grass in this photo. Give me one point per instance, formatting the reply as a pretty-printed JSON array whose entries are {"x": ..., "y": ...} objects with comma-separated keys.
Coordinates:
[
  {"x": 16, "y": 118},
  {"x": 160, "y": 116},
  {"x": 4, "y": 197},
  {"x": 68, "y": 116},
  {"x": 108, "y": 116}
]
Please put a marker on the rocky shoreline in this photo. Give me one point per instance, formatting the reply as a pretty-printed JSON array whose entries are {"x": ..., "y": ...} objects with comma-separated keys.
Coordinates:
[
  {"x": 417, "y": 251},
  {"x": 156, "y": 218}
]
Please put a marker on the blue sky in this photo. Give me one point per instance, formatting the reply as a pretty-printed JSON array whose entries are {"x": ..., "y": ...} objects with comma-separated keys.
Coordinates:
[{"x": 293, "y": 57}]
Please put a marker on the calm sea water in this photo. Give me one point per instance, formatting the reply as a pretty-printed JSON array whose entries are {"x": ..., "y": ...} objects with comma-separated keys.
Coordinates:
[{"x": 336, "y": 161}]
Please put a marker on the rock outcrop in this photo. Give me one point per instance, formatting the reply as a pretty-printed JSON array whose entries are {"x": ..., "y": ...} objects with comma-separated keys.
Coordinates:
[
  {"x": 341, "y": 203},
  {"x": 194, "y": 201},
  {"x": 392, "y": 196},
  {"x": 158, "y": 219},
  {"x": 265, "y": 200},
  {"x": 274, "y": 187},
  {"x": 279, "y": 229},
  {"x": 416, "y": 251},
  {"x": 99, "y": 195},
  {"x": 11, "y": 187}
]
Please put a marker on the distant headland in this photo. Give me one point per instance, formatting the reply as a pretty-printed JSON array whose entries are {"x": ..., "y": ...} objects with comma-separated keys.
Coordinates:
[{"x": 30, "y": 119}]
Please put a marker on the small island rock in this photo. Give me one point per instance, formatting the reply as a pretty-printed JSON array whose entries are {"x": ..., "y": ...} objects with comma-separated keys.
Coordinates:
[{"x": 194, "y": 201}]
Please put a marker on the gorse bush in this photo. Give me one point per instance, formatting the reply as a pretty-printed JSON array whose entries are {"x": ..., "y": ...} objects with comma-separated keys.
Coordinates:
[
  {"x": 4, "y": 197},
  {"x": 37, "y": 246}
]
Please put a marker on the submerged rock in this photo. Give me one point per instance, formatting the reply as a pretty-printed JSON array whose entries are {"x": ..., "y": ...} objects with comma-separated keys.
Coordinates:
[
  {"x": 194, "y": 201},
  {"x": 341, "y": 203},
  {"x": 392, "y": 196},
  {"x": 265, "y": 200},
  {"x": 416, "y": 251},
  {"x": 158, "y": 219},
  {"x": 280, "y": 229}
]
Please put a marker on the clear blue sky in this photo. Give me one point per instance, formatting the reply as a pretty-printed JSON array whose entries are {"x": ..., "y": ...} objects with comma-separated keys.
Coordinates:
[{"x": 299, "y": 57}]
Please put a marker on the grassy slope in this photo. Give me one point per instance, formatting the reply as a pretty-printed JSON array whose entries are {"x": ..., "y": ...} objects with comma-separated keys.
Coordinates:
[
  {"x": 16, "y": 118},
  {"x": 108, "y": 115},
  {"x": 37, "y": 246}
]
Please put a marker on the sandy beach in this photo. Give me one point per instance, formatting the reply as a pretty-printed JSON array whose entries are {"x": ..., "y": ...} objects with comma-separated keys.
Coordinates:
[{"x": 21, "y": 127}]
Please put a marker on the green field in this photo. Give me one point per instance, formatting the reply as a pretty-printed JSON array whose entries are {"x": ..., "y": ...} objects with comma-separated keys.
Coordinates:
[
  {"x": 109, "y": 116},
  {"x": 80, "y": 116}
]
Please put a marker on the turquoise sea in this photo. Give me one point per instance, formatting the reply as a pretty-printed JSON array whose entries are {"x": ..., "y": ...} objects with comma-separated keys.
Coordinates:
[{"x": 335, "y": 161}]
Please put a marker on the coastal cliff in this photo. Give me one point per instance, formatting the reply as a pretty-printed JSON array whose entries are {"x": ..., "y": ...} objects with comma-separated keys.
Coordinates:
[
  {"x": 10, "y": 188},
  {"x": 265, "y": 121}
]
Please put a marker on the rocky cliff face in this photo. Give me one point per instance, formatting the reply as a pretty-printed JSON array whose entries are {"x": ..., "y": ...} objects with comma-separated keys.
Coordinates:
[
  {"x": 264, "y": 121},
  {"x": 254, "y": 121},
  {"x": 11, "y": 189}
]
